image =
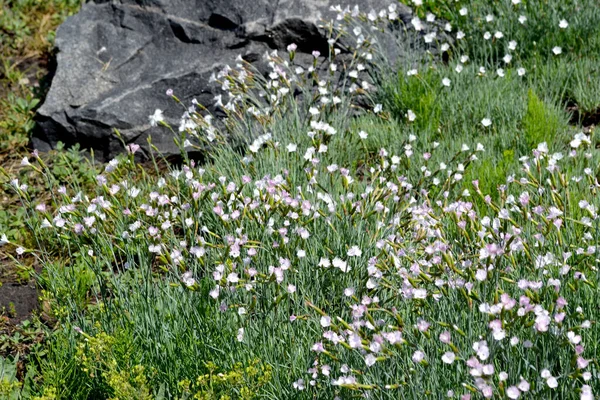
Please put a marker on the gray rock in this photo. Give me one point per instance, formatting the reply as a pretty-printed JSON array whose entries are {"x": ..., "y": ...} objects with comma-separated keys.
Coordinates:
[{"x": 116, "y": 60}]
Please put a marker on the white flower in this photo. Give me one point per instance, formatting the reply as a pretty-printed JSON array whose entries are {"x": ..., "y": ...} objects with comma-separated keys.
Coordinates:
[
  {"x": 378, "y": 108},
  {"x": 156, "y": 117},
  {"x": 481, "y": 274},
  {"x": 573, "y": 338},
  {"x": 512, "y": 45},
  {"x": 545, "y": 374},
  {"x": 463, "y": 11},
  {"x": 240, "y": 335},
  {"x": 411, "y": 115},
  {"x": 579, "y": 138},
  {"x": 324, "y": 262},
  {"x": 563, "y": 24},
  {"x": 188, "y": 279},
  {"x": 416, "y": 22},
  {"x": 448, "y": 357},
  {"x": 341, "y": 264},
  {"x": 354, "y": 251},
  {"x": 325, "y": 321},
  {"x": 3, "y": 240},
  {"x": 215, "y": 292},
  {"x": 521, "y": 71},
  {"x": 513, "y": 392},
  {"x": 556, "y": 50},
  {"x": 552, "y": 382},
  {"x": 310, "y": 152},
  {"x": 363, "y": 135},
  {"x": 522, "y": 19},
  {"x": 446, "y": 82},
  {"x": 299, "y": 384},
  {"x": 486, "y": 122},
  {"x": 291, "y": 148}
]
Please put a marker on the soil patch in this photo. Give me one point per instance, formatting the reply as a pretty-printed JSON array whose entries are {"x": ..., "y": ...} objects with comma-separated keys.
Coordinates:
[
  {"x": 18, "y": 301},
  {"x": 587, "y": 119}
]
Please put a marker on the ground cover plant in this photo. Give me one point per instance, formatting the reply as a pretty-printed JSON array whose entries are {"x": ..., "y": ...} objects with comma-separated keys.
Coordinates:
[{"x": 430, "y": 231}]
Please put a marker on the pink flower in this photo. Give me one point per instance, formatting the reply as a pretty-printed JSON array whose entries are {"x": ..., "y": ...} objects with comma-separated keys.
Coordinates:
[
  {"x": 582, "y": 363},
  {"x": 586, "y": 393},
  {"x": 370, "y": 360},
  {"x": 418, "y": 356},
  {"x": 445, "y": 337},
  {"x": 524, "y": 385},
  {"x": 354, "y": 341}
]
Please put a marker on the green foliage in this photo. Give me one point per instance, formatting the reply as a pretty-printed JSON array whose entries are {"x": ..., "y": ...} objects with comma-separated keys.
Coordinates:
[
  {"x": 27, "y": 26},
  {"x": 109, "y": 366},
  {"x": 541, "y": 123},
  {"x": 490, "y": 173},
  {"x": 10, "y": 387},
  {"x": 585, "y": 89},
  {"x": 240, "y": 382},
  {"x": 16, "y": 119},
  {"x": 420, "y": 95},
  {"x": 26, "y": 34}
]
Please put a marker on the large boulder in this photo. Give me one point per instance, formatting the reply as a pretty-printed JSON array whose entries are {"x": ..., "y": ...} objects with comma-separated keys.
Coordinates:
[{"x": 116, "y": 60}]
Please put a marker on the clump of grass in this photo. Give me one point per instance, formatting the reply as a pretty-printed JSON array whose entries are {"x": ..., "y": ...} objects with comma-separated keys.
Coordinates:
[
  {"x": 418, "y": 95},
  {"x": 541, "y": 123}
]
